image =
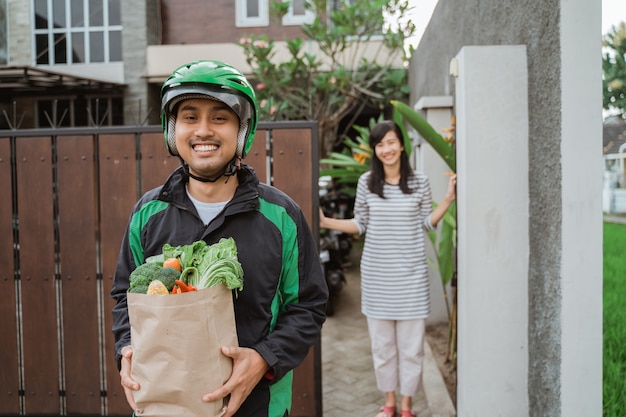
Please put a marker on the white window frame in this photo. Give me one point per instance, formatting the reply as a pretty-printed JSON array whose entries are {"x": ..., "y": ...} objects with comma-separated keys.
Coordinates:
[
  {"x": 241, "y": 14},
  {"x": 291, "y": 20},
  {"x": 69, "y": 30}
]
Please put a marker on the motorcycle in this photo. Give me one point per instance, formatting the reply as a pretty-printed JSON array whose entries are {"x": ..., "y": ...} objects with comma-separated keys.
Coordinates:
[
  {"x": 335, "y": 203},
  {"x": 335, "y": 246},
  {"x": 331, "y": 265}
]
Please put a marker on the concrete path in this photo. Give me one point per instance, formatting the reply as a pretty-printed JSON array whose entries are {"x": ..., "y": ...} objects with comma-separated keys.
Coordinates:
[
  {"x": 615, "y": 218},
  {"x": 348, "y": 382}
]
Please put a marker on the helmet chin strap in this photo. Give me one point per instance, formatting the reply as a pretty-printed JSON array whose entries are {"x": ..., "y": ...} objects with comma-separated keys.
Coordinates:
[{"x": 231, "y": 168}]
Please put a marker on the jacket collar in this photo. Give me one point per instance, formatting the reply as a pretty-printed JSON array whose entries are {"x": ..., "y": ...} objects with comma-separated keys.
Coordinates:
[{"x": 174, "y": 188}]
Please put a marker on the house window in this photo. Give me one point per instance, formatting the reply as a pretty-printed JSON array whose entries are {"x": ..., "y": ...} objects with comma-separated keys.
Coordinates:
[
  {"x": 251, "y": 13},
  {"x": 81, "y": 111},
  {"x": 298, "y": 14},
  {"x": 4, "y": 48},
  {"x": 77, "y": 31}
]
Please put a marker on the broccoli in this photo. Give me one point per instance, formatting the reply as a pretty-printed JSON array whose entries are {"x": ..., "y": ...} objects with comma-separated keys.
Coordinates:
[
  {"x": 168, "y": 276},
  {"x": 143, "y": 274},
  {"x": 139, "y": 289}
]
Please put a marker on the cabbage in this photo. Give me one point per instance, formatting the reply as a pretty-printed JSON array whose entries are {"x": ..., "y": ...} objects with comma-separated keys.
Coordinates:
[{"x": 207, "y": 265}]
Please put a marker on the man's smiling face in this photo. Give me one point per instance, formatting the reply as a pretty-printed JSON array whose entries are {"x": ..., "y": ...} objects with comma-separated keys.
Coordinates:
[{"x": 206, "y": 135}]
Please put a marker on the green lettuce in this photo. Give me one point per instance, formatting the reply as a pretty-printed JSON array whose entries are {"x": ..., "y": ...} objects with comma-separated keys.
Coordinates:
[{"x": 204, "y": 266}]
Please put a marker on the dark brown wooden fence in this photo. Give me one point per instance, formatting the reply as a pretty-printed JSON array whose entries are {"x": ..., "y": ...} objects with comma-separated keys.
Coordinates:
[{"x": 67, "y": 197}]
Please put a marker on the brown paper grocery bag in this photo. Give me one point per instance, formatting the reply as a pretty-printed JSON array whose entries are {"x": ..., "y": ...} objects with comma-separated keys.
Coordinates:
[{"x": 176, "y": 342}]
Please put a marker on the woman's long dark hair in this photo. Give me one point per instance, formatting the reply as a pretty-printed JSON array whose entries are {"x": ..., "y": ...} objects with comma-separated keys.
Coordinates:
[{"x": 376, "y": 181}]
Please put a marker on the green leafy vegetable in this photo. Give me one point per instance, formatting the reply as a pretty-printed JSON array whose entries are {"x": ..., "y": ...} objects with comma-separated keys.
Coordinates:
[{"x": 204, "y": 266}]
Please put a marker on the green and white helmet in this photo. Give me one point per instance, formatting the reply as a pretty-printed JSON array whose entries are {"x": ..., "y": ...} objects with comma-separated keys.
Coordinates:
[{"x": 214, "y": 80}]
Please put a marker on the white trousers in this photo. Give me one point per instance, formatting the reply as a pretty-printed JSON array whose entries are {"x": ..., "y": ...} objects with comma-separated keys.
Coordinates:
[{"x": 398, "y": 354}]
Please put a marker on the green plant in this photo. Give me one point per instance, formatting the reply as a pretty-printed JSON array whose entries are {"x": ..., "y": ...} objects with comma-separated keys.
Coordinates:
[
  {"x": 614, "y": 69},
  {"x": 347, "y": 166},
  {"x": 442, "y": 146},
  {"x": 614, "y": 321}
]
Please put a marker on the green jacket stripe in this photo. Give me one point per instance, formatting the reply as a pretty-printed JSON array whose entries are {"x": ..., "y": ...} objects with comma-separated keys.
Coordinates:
[
  {"x": 137, "y": 222},
  {"x": 289, "y": 281}
]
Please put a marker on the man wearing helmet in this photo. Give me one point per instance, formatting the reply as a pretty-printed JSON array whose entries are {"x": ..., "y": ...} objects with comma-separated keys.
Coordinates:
[{"x": 209, "y": 117}]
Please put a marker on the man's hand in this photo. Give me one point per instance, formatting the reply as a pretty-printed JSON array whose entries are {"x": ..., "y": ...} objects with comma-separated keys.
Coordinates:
[
  {"x": 248, "y": 369},
  {"x": 128, "y": 383}
]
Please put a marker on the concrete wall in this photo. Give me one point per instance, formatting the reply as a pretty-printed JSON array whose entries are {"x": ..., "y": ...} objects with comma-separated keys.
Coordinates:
[
  {"x": 19, "y": 33},
  {"x": 562, "y": 41},
  {"x": 141, "y": 19},
  {"x": 19, "y": 53}
]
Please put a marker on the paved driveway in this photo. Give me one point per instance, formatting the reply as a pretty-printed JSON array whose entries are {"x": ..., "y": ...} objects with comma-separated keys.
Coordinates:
[{"x": 348, "y": 383}]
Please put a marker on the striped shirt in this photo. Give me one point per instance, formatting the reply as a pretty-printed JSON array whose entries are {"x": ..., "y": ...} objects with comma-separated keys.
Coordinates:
[{"x": 394, "y": 270}]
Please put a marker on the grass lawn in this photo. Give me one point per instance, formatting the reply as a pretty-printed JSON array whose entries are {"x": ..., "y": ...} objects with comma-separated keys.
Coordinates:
[{"x": 614, "y": 321}]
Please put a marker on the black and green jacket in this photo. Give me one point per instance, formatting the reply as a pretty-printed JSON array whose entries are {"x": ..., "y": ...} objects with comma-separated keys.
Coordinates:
[{"x": 281, "y": 308}]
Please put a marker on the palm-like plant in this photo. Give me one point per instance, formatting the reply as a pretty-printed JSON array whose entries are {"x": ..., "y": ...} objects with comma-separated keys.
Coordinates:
[{"x": 347, "y": 166}]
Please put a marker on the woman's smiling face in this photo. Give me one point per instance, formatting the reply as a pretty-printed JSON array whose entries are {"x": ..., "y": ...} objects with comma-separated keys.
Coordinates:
[
  {"x": 389, "y": 149},
  {"x": 206, "y": 135}
]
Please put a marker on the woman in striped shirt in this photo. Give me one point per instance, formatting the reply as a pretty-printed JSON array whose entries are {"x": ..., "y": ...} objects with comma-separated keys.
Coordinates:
[{"x": 394, "y": 206}]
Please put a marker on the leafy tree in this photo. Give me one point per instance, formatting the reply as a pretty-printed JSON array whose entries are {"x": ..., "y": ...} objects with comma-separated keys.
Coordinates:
[
  {"x": 334, "y": 70},
  {"x": 614, "y": 69}
]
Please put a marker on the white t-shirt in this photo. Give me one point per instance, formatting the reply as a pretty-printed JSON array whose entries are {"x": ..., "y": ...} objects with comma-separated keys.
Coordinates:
[{"x": 207, "y": 211}]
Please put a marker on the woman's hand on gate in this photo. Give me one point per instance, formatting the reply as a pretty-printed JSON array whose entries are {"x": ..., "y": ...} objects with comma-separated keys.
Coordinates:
[{"x": 128, "y": 383}]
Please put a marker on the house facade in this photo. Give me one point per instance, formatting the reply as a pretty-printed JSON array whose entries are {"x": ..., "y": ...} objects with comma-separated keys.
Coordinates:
[
  {"x": 85, "y": 62},
  {"x": 60, "y": 55},
  {"x": 614, "y": 152},
  {"x": 88, "y": 59}
]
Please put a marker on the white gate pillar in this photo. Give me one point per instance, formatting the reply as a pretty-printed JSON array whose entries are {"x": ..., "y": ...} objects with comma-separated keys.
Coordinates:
[
  {"x": 437, "y": 110},
  {"x": 493, "y": 247}
]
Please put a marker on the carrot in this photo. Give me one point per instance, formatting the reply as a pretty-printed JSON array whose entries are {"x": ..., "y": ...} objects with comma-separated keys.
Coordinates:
[
  {"x": 172, "y": 263},
  {"x": 184, "y": 287}
]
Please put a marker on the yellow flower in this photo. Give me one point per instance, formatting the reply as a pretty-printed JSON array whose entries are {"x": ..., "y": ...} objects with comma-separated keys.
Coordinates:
[
  {"x": 450, "y": 131},
  {"x": 362, "y": 157}
]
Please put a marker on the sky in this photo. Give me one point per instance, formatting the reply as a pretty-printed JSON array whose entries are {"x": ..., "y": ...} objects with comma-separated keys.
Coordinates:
[{"x": 613, "y": 12}]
